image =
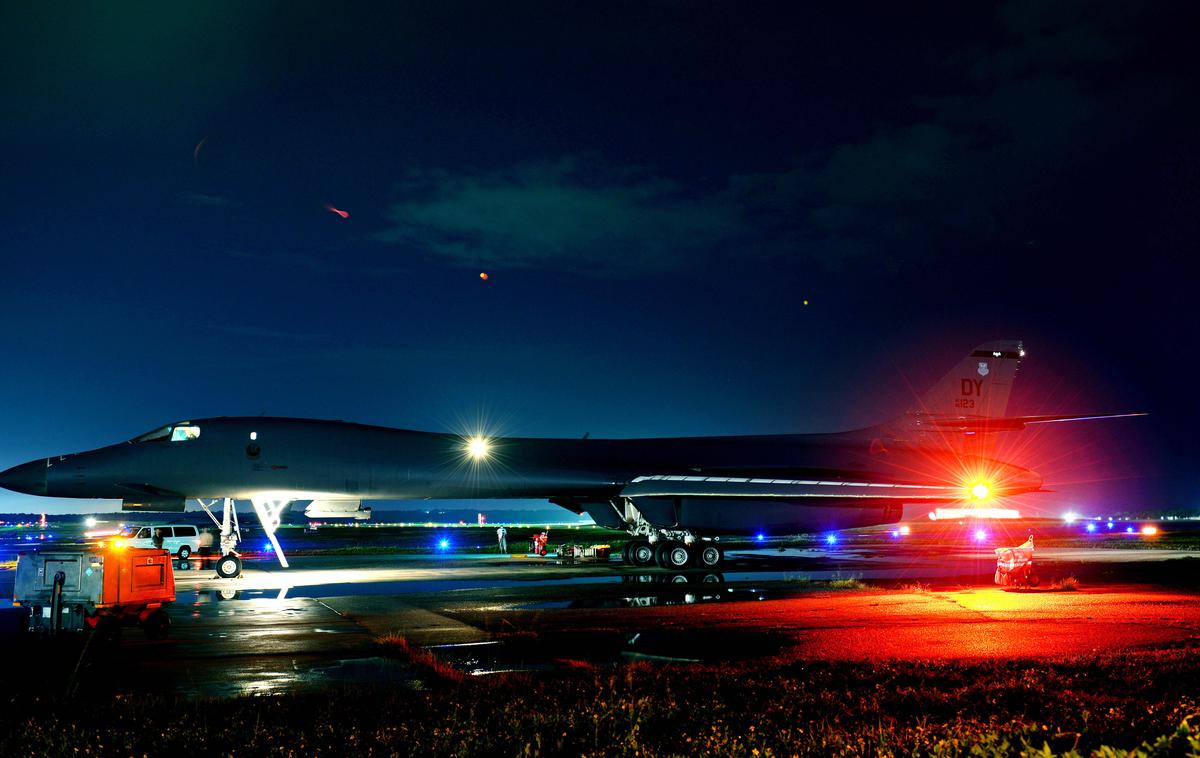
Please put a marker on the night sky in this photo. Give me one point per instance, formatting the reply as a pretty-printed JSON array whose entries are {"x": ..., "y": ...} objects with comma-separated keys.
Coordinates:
[{"x": 654, "y": 190}]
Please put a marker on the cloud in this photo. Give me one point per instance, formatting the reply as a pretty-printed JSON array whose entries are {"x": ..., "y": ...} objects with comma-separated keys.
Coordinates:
[
  {"x": 1022, "y": 117},
  {"x": 205, "y": 200},
  {"x": 1009, "y": 128},
  {"x": 574, "y": 213}
]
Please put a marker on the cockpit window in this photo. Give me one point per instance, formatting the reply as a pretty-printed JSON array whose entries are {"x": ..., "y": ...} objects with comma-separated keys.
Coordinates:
[
  {"x": 185, "y": 433},
  {"x": 175, "y": 433},
  {"x": 157, "y": 434}
]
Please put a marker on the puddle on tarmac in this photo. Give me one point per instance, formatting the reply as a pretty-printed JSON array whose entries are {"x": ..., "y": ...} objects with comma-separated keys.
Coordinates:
[
  {"x": 545, "y": 652},
  {"x": 272, "y": 677}
]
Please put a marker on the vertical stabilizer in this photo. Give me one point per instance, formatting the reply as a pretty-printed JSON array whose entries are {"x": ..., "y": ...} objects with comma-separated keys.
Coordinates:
[{"x": 978, "y": 387}]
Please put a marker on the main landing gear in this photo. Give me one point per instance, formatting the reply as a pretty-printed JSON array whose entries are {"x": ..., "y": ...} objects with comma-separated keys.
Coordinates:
[
  {"x": 269, "y": 512},
  {"x": 672, "y": 554}
]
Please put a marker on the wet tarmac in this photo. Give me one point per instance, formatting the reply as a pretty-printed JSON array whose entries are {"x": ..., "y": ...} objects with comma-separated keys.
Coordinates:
[{"x": 319, "y": 623}]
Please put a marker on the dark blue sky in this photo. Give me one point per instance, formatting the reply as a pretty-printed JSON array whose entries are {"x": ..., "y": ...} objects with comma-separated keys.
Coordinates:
[{"x": 653, "y": 188}]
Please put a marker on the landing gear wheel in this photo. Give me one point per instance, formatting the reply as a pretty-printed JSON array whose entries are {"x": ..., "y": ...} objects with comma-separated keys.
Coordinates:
[
  {"x": 641, "y": 553},
  {"x": 157, "y": 625},
  {"x": 625, "y": 552},
  {"x": 1033, "y": 580},
  {"x": 709, "y": 556},
  {"x": 660, "y": 548},
  {"x": 184, "y": 552},
  {"x": 672, "y": 555},
  {"x": 229, "y": 566}
]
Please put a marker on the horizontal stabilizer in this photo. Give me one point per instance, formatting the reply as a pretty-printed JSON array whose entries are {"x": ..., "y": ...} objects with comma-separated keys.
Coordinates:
[{"x": 977, "y": 424}]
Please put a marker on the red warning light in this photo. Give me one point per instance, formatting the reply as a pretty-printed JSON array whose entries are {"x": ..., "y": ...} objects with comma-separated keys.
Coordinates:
[
  {"x": 338, "y": 211},
  {"x": 483, "y": 275}
]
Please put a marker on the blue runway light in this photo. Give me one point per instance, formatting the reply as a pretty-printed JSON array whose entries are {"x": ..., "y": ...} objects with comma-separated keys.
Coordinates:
[
  {"x": 831, "y": 539},
  {"x": 1091, "y": 527},
  {"x": 760, "y": 537},
  {"x": 443, "y": 544},
  {"x": 1129, "y": 530},
  {"x": 895, "y": 534},
  {"x": 1110, "y": 525},
  {"x": 267, "y": 548}
]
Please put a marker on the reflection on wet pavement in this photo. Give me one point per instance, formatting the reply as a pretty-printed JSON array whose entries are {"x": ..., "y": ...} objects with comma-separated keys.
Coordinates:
[{"x": 318, "y": 625}]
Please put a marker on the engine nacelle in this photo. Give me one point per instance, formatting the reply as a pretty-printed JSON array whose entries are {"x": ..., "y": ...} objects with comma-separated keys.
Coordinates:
[{"x": 319, "y": 509}]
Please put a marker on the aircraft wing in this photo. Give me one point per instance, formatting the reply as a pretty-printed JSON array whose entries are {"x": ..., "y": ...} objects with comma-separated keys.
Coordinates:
[
  {"x": 740, "y": 487},
  {"x": 1006, "y": 423}
]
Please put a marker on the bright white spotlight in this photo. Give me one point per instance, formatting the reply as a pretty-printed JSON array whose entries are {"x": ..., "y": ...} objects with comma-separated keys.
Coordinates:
[
  {"x": 1070, "y": 517},
  {"x": 980, "y": 491},
  {"x": 477, "y": 448}
]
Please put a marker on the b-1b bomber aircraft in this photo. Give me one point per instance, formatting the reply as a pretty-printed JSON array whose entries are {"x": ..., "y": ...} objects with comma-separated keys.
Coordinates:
[{"x": 675, "y": 496}]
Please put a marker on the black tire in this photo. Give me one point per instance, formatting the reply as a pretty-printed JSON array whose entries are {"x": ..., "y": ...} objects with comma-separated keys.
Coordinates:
[
  {"x": 673, "y": 555},
  {"x": 184, "y": 552},
  {"x": 641, "y": 553},
  {"x": 1033, "y": 580},
  {"x": 660, "y": 553},
  {"x": 157, "y": 625},
  {"x": 709, "y": 555},
  {"x": 229, "y": 566},
  {"x": 625, "y": 552}
]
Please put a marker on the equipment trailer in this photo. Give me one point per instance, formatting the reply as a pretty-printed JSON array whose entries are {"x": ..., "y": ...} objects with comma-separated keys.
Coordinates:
[{"x": 77, "y": 590}]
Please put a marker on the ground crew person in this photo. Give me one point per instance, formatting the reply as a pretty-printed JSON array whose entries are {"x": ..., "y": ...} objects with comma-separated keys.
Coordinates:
[
  {"x": 158, "y": 539},
  {"x": 502, "y": 538}
]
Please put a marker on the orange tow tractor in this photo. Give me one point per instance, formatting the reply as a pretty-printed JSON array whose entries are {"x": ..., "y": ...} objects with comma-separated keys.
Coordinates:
[{"x": 78, "y": 590}]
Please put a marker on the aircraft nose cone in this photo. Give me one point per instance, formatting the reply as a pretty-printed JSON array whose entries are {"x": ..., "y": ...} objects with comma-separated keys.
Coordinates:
[{"x": 28, "y": 478}]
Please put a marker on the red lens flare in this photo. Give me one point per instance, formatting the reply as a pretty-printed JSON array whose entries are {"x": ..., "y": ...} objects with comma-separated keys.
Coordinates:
[{"x": 338, "y": 211}]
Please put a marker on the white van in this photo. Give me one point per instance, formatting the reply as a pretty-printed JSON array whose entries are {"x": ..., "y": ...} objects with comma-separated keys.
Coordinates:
[{"x": 181, "y": 539}]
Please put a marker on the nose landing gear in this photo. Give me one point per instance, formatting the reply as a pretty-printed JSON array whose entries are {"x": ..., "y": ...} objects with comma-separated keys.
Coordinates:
[{"x": 229, "y": 566}]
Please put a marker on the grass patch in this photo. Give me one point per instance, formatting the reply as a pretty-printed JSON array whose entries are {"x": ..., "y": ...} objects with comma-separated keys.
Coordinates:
[
  {"x": 1141, "y": 702},
  {"x": 1066, "y": 584},
  {"x": 915, "y": 587},
  {"x": 847, "y": 583},
  {"x": 397, "y": 646}
]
